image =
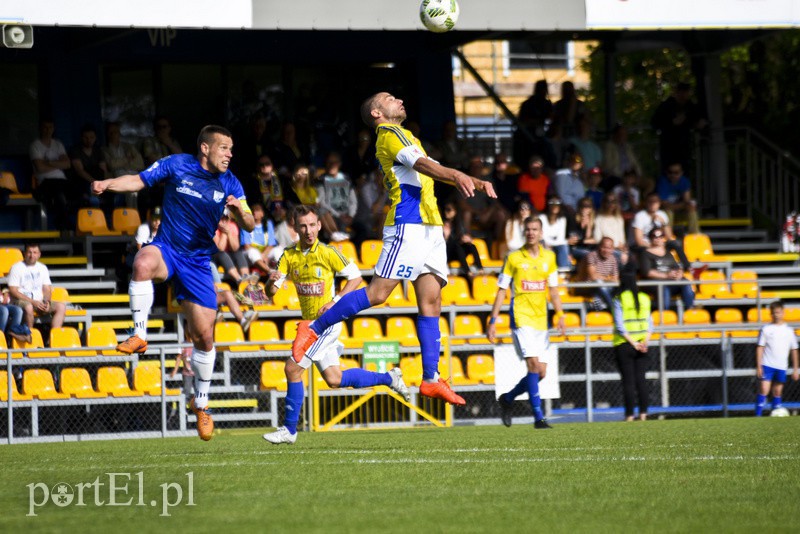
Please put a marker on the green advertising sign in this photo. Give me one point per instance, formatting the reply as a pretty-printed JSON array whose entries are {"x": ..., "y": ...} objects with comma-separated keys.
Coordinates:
[{"x": 380, "y": 353}]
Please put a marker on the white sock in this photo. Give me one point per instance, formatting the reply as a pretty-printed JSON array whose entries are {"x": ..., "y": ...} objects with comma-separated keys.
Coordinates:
[
  {"x": 203, "y": 367},
  {"x": 141, "y": 294}
]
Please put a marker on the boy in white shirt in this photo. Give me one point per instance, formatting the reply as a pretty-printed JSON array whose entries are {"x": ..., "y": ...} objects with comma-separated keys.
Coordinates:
[{"x": 776, "y": 342}]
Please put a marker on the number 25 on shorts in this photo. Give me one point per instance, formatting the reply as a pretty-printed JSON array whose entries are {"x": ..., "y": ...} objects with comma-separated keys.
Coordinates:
[{"x": 404, "y": 271}]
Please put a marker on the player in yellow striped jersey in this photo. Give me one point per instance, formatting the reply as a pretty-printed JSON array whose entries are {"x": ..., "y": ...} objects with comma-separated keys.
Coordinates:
[
  {"x": 529, "y": 271},
  {"x": 312, "y": 266},
  {"x": 413, "y": 242}
]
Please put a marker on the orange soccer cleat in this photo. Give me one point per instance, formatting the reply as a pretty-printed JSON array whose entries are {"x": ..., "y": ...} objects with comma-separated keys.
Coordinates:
[
  {"x": 205, "y": 425},
  {"x": 303, "y": 340},
  {"x": 133, "y": 344},
  {"x": 441, "y": 390}
]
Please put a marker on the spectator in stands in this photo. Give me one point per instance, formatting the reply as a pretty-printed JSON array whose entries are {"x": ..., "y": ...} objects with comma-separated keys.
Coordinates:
[
  {"x": 121, "y": 157},
  {"x": 657, "y": 263},
  {"x": 569, "y": 185},
  {"x": 569, "y": 111},
  {"x": 535, "y": 184},
  {"x": 582, "y": 141},
  {"x": 599, "y": 266},
  {"x": 161, "y": 144},
  {"x": 360, "y": 158},
  {"x": 459, "y": 242},
  {"x": 230, "y": 298},
  {"x": 269, "y": 183},
  {"x": 652, "y": 217},
  {"x": 776, "y": 342},
  {"x": 88, "y": 165},
  {"x": 50, "y": 160},
  {"x": 144, "y": 234},
  {"x": 506, "y": 180},
  {"x": 533, "y": 275},
  {"x": 300, "y": 189},
  {"x": 583, "y": 230},
  {"x": 250, "y": 147},
  {"x": 593, "y": 189},
  {"x": 480, "y": 212},
  {"x": 11, "y": 319},
  {"x": 675, "y": 191},
  {"x": 372, "y": 198},
  {"x": 611, "y": 224},
  {"x": 337, "y": 198},
  {"x": 537, "y": 111},
  {"x": 619, "y": 156},
  {"x": 554, "y": 233},
  {"x": 452, "y": 148},
  {"x": 628, "y": 194},
  {"x": 287, "y": 153},
  {"x": 284, "y": 226},
  {"x": 256, "y": 245},
  {"x": 515, "y": 229},
  {"x": 558, "y": 147},
  {"x": 675, "y": 119},
  {"x": 30, "y": 288},
  {"x": 633, "y": 327}
]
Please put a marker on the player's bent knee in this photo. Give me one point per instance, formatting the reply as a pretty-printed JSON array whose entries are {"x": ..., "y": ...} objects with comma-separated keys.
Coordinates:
[{"x": 294, "y": 373}]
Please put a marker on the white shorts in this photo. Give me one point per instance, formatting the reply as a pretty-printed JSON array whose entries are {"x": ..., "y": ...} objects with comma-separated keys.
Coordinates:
[
  {"x": 410, "y": 250},
  {"x": 326, "y": 350},
  {"x": 531, "y": 343}
]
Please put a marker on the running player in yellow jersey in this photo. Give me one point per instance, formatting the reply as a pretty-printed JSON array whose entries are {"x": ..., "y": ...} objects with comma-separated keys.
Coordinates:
[
  {"x": 529, "y": 271},
  {"x": 413, "y": 242},
  {"x": 312, "y": 266}
]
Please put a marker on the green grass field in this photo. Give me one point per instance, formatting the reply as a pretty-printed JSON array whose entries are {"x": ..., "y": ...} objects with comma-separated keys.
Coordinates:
[{"x": 721, "y": 475}]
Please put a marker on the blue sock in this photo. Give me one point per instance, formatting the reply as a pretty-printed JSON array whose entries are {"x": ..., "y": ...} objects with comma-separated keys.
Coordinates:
[
  {"x": 360, "y": 378},
  {"x": 776, "y": 402},
  {"x": 519, "y": 389},
  {"x": 294, "y": 403},
  {"x": 430, "y": 343},
  {"x": 533, "y": 396},
  {"x": 761, "y": 402},
  {"x": 348, "y": 305}
]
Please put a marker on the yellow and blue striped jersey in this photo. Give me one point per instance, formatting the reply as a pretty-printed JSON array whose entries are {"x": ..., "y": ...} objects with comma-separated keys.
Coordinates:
[
  {"x": 313, "y": 274},
  {"x": 410, "y": 193},
  {"x": 529, "y": 279}
]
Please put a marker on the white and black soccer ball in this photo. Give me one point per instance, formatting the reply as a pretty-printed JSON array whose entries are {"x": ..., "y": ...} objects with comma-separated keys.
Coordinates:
[
  {"x": 779, "y": 412},
  {"x": 439, "y": 15}
]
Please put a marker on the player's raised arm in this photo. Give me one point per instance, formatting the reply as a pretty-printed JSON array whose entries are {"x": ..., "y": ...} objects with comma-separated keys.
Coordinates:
[
  {"x": 466, "y": 185},
  {"x": 129, "y": 183}
]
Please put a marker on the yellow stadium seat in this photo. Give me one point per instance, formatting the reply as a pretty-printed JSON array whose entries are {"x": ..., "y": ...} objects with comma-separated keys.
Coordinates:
[
  {"x": 791, "y": 315},
  {"x": 290, "y": 329},
  {"x": 728, "y": 316},
  {"x": 370, "y": 252},
  {"x": 716, "y": 286},
  {"x": 3, "y": 346},
  {"x": 347, "y": 248},
  {"x": 456, "y": 374},
  {"x": 39, "y": 383},
  {"x": 147, "y": 379},
  {"x": 698, "y": 247},
  {"x": 397, "y": 299},
  {"x": 92, "y": 221},
  {"x": 468, "y": 325},
  {"x": 412, "y": 370},
  {"x": 112, "y": 380},
  {"x": 75, "y": 381},
  {"x": 484, "y": 290},
  {"x": 483, "y": 253},
  {"x": 480, "y": 368},
  {"x": 68, "y": 337},
  {"x": 753, "y": 315},
  {"x": 227, "y": 332},
  {"x": 265, "y": 331},
  {"x": 126, "y": 220},
  {"x": 402, "y": 329},
  {"x": 365, "y": 329},
  {"x": 280, "y": 300},
  {"x": 700, "y": 317},
  {"x": 15, "y": 394},
  {"x": 456, "y": 292},
  {"x": 99, "y": 335},
  {"x": 319, "y": 381},
  {"x": 272, "y": 375},
  {"x": 36, "y": 343},
  {"x": 600, "y": 319},
  {"x": 9, "y": 181},
  {"x": 293, "y": 301},
  {"x": 444, "y": 327},
  {"x": 744, "y": 284},
  {"x": 59, "y": 294},
  {"x": 691, "y": 317},
  {"x": 668, "y": 318},
  {"x": 8, "y": 257},
  {"x": 503, "y": 327}
]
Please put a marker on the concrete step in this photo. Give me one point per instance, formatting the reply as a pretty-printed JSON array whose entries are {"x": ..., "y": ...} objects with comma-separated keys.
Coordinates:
[
  {"x": 741, "y": 246},
  {"x": 756, "y": 235}
]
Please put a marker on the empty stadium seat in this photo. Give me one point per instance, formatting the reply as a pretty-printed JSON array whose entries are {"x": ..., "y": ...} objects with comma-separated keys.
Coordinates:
[
  {"x": 112, "y": 380},
  {"x": 480, "y": 368},
  {"x": 412, "y": 370},
  {"x": 8, "y": 257},
  {"x": 484, "y": 290},
  {"x": 717, "y": 286},
  {"x": 8, "y": 181},
  {"x": 264, "y": 331},
  {"x": 75, "y": 381},
  {"x": 693, "y": 317},
  {"x": 503, "y": 327},
  {"x": 272, "y": 375},
  {"x": 68, "y": 337},
  {"x": 483, "y": 253},
  {"x": 15, "y": 394},
  {"x": 754, "y": 315},
  {"x": 35, "y": 343},
  {"x": 227, "y": 332},
  {"x": 147, "y": 379},
  {"x": 726, "y": 316},
  {"x": 791, "y": 315},
  {"x": 92, "y": 221},
  {"x": 293, "y": 301},
  {"x": 698, "y": 247},
  {"x": 456, "y": 292},
  {"x": 600, "y": 319},
  {"x": 453, "y": 370},
  {"x": 365, "y": 329},
  {"x": 402, "y": 329},
  {"x": 468, "y": 325},
  {"x": 348, "y": 250},
  {"x": 744, "y": 284},
  {"x": 126, "y": 220},
  {"x": 290, "y": 329},
  {"x": 39, "y": 383},
  {"x": 99, "y": 335},
  {"x": 370, "y": 252}
]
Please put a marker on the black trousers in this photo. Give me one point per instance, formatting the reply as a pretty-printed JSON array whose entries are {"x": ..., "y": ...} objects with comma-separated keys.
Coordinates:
[{"x": 633, "y": 366}]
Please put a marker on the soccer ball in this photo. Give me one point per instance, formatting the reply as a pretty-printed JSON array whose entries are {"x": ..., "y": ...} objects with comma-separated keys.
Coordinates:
[
  {"x": 779, "y": 412},
  {"x": 439, "y": 15}
]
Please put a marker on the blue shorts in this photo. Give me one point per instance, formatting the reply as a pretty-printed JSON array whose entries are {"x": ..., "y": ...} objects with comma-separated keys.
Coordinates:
[
  {"x": 770, "y": 374},
  {"x": 191, "y": 277}
]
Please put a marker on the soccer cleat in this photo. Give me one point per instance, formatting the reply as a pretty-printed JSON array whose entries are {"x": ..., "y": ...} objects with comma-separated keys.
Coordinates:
[
  {"x": 133, "y": 344},
  {"x": 281, "y": 435},
  {"x": 541, "y": 423},
  {"x": 505, "y": 411},
  {"x": 398, "y": 386},
  {"x": 303, "y": 340},
  {"x": 441, "y": 390},
  {"x": 697, "y": 271},
  {"x": 205, "y": 425}
]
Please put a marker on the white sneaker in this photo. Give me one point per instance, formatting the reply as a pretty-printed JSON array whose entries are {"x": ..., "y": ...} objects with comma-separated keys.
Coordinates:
[
  {"x": 340, "y": 236},
  {"x": 281, "y": 435},
  {"x": 248, "y": 319},
  {"x": 398, "y": 386}
]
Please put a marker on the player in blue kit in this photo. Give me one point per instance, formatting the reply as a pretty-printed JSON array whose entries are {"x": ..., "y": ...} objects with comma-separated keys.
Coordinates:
[{"x": 197, "y": 189}]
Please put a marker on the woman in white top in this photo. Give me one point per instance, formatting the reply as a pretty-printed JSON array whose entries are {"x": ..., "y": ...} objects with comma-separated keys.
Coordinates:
[
  {"x": 514, "y": 228},
  {"x": 610, "y": 223},
  {"x": 554, "y": 232}
]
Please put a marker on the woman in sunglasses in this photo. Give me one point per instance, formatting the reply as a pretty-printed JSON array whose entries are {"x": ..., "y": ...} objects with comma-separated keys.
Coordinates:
[{"x": 658, "y": 263}]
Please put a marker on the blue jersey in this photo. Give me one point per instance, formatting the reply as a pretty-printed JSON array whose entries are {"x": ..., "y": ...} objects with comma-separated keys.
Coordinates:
[{"x": 194, "y": 200}]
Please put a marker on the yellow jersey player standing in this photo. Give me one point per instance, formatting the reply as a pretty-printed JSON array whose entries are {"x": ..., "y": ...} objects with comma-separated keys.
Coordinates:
[
  {"x": 312, "y": 266},
  {"x": 413, "y": 241},
  {"x": 528, "y": 271}
]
